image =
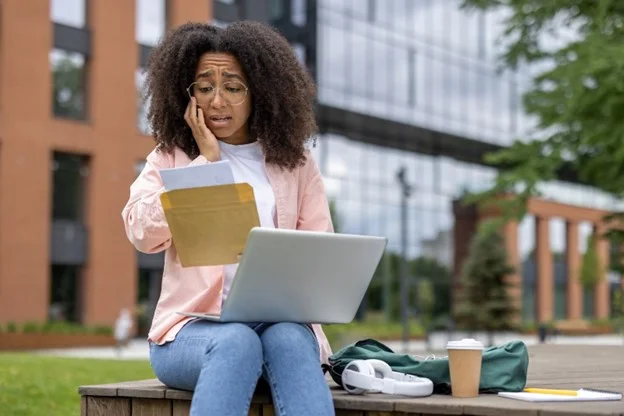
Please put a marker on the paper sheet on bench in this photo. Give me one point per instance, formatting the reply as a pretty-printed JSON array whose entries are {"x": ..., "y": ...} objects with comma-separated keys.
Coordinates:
[
  {"x": 583, "y": 395},
  {"x": 209, "y": 174}
]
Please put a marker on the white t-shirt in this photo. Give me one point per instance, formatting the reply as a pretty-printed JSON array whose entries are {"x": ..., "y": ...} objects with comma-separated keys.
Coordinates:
[{"x": 247, "y": 161}]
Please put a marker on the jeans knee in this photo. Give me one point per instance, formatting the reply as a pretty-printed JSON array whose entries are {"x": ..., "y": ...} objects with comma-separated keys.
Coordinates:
[
  {"x": 239, "y": 343},
  {"x": 283, "y": 337}
]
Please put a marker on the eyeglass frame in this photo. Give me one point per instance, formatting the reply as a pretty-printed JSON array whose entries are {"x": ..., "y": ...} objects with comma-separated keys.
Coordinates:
[{"x": 188, "y": 91}]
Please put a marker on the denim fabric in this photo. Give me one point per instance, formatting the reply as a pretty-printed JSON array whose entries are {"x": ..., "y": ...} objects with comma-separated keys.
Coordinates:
[{"x": 222, "y": 363}]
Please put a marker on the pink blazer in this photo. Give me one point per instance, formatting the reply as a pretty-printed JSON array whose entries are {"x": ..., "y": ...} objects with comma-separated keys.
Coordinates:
[{"x": 301, "y": 203}]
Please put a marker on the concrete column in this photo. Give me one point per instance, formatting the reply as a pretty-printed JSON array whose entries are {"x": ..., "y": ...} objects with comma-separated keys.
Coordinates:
[
  {"x": 574, "y": 296},
  {"x": 602, "y": 298},
  {"x": 545, "y": 280}
]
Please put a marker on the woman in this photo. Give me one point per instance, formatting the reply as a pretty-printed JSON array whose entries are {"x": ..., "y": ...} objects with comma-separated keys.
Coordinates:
[{"x": 237, "y": 94}]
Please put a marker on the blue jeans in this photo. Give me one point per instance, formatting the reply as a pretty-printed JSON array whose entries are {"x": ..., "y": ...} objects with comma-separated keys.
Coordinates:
[{"x": 222, "y": 363}]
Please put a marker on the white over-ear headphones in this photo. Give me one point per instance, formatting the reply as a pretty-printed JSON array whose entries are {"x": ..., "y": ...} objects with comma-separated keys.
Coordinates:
[{"x": 376, "y": 376}]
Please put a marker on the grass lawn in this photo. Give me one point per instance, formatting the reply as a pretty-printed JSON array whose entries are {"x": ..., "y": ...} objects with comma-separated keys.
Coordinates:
[{"x": 32, "y": 385}]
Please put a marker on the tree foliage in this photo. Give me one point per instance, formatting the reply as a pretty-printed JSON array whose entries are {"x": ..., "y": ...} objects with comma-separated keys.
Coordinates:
[
  {"x": 590, "y": 268},
  {"x": 576, "y": 99},
  {"x": 483, "y": 301}
]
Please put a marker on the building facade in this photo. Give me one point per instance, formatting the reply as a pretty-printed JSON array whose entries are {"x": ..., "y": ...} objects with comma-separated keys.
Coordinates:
[
  {"x": 401, "y": 83},
  {"x": 69, "y": 145}
]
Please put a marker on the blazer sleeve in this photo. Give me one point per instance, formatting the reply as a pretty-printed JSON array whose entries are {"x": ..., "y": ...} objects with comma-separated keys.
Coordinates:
[
  {"x": 314, "y": 214},
  {"x": 143, "y": 216}
]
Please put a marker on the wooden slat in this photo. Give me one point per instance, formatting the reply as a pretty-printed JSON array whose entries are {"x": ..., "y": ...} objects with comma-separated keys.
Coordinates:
[
  {"x": 549, "y": 366},
  {"x": 268, "y": 410},
  {"x": 262, "y": 399},
  {"x": 105, "y": 406},
  {"x": 255, "y": 410},
  {"x": 181, "y": 408},
  {"x": 147, "y": 392},
  {"x": 178, "y": 394},
  {"x": 342, "y": 412},
  {"x": 152, "y": 407},
  {"x": 435, "y": 405},
  {"x": 104, "y": 390},
  {"x": 83, "y": 406},
  {"x": 367, "y": 402}
]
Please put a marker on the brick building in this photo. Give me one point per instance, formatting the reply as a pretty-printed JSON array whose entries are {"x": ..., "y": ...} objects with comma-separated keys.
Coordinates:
[{"x": 69, "y": 145}]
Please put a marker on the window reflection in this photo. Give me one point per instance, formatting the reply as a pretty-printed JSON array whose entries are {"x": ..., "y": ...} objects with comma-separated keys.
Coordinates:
[
  {"x": 68, "y": 86},
  {"x": 68, "y": 12},
  {"x": 423, "y": 66}
]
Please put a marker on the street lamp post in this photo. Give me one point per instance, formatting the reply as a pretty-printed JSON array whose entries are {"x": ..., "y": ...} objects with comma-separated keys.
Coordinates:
[{"x": 406, "y": 190}]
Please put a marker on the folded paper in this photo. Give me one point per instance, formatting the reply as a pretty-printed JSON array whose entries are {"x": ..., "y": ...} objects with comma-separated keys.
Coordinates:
[{"x": 210, "y": 225}]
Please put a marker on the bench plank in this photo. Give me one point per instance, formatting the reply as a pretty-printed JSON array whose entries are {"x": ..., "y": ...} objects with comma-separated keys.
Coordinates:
[
  {"x": 550, "y": 366},
  {"x": 181, "y": 408},
  {"x": 105, "y": 406},
  {"x": 151, "y": 407}
]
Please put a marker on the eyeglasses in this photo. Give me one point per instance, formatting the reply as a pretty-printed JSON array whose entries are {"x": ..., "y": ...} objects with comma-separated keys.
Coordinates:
[{"x": 233, "y": 92}]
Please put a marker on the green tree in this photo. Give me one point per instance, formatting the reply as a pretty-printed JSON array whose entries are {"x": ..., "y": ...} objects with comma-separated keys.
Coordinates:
[
  {"x": 334, "y": 216},
  {"x": 577, "y": 98},
  {"x": 590, "y": 268},
  {"x": 483, "y": 302},
  {"x": 426, "y": 304}
]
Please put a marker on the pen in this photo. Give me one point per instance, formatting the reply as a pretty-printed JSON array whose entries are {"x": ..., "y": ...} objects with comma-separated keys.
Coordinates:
[{"x": 552, "y": 391}]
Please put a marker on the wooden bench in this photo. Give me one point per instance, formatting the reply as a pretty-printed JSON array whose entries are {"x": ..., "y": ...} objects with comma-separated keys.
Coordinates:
[{"x": 552, "y": 366}]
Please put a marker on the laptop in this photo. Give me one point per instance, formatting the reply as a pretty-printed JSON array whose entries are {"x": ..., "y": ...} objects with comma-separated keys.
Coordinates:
[{"x": 300, "y": 276}]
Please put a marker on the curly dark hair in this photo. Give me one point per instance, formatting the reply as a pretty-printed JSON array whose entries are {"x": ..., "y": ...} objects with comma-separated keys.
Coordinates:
[{"x": 282, "y": 117}]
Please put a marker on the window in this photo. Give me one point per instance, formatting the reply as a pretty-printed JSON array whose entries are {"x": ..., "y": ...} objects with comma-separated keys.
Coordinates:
[
  {"x": 298, "y": 12},
  {"x": 150, "y": 22},
  {"x": 142, "y": 102},
  {"x": 68, "y": 12},
  {"x": 300, "y": 51},
  {"x": 150, "y": 26},
  {"x": 69, "y": 172},
  {"x": 68, "y": 86},
  {"x": 64, "y": 293}
]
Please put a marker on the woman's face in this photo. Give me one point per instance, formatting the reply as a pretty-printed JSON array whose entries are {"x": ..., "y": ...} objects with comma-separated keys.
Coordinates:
[{"x": 220, "y": 88}]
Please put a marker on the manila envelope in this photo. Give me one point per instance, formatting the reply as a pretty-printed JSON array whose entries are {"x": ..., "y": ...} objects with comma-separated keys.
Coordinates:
[{"x": 210, "y": 225}]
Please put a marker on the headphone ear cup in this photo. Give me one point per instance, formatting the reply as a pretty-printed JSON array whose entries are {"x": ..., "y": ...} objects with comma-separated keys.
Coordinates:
[
  {"x": 356, "y": 366},
  {"x": 381, "y": 368}
]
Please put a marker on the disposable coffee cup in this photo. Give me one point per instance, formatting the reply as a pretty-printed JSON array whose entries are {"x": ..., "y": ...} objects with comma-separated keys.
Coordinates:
[{"x": 465, "y": 367}]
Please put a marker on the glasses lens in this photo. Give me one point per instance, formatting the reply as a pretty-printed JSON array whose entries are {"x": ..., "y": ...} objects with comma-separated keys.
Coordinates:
[
  {"x": 201, "y": 90},
  {"x": 233, "y": 92}
]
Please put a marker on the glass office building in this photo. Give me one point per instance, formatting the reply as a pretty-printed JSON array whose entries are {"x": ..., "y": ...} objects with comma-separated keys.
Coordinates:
[{"x": 416, "y": 84}]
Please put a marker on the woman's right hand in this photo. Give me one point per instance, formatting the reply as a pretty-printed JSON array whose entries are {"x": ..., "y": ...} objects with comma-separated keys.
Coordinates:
[{"x": 205, "y": 139}]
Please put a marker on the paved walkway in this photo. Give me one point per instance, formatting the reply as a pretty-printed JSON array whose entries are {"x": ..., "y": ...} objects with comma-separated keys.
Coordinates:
[
  {"x": 437, "y": 341},
  {"x": 138, "y": 348}
]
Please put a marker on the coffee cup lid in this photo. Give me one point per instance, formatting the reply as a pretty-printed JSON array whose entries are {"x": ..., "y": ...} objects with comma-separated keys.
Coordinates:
[{"x": 465, "y": 344}]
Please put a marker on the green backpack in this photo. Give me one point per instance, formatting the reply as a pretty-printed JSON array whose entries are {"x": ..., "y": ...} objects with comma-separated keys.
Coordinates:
[{"x": 504, "y": 368}]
